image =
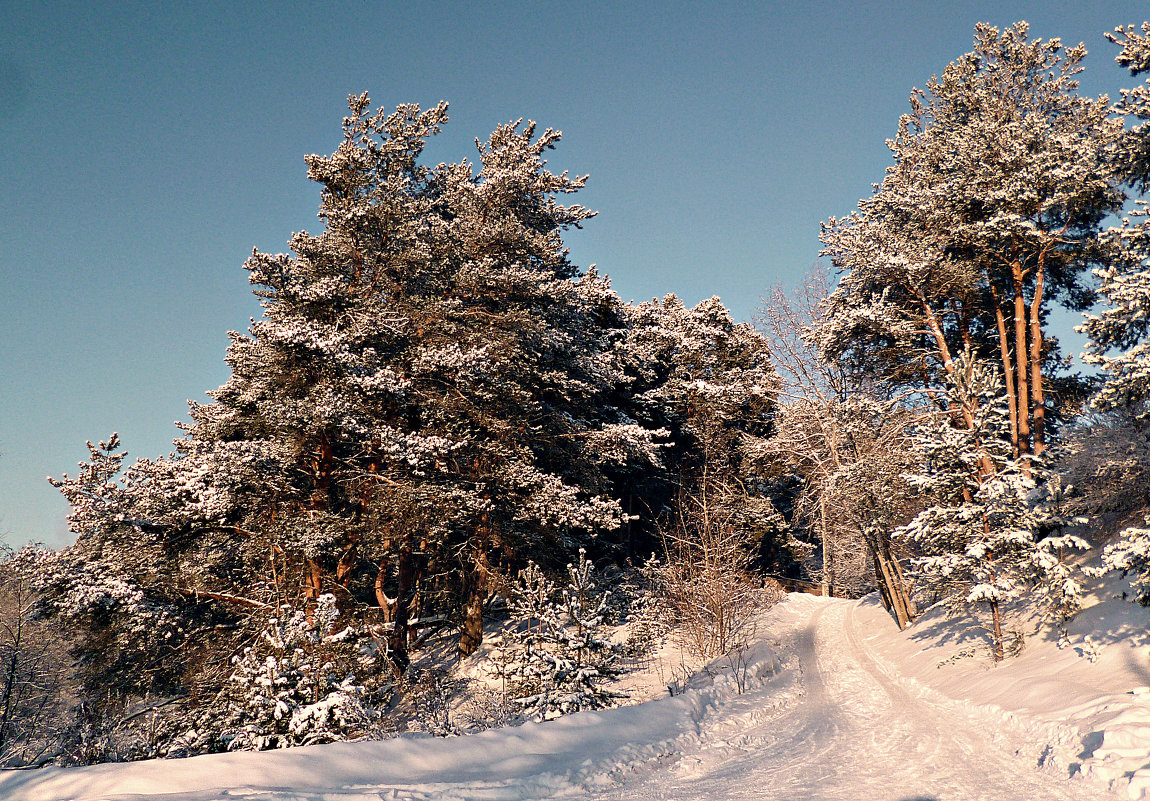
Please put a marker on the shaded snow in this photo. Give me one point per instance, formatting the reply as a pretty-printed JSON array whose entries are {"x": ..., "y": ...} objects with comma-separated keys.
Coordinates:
[{"x": 1083, "y": 704}]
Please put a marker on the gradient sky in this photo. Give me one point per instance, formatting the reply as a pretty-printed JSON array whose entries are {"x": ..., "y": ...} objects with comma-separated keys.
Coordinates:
[{"x": 146, "y": 148}]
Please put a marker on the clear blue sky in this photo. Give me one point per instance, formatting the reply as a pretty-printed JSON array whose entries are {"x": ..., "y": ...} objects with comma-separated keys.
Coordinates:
[{"x": 146, "y": 148}]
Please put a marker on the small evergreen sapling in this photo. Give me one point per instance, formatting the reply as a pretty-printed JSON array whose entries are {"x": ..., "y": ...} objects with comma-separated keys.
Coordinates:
[
  {"x": 1131, "y": 555},
  {"x": 554, "y": 656},
  {"x": 984, "y": 538},
  {"x": 291, "y": 687}
]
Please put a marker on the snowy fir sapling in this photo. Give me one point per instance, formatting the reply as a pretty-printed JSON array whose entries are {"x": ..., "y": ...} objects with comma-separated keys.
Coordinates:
[
  {"x": 553, "y": 657},
  {"x": 293, "y": 686},
  {"x": 983, "y": 539}
]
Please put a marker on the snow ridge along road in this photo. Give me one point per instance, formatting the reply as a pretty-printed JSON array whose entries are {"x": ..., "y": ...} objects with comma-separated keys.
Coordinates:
[{"x": 825, "y": 719}]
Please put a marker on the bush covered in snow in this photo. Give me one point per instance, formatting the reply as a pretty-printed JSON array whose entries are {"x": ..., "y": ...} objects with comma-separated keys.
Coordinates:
[
  {"x": 553, "y": 657},
  {"x": 296, "y": 685}
]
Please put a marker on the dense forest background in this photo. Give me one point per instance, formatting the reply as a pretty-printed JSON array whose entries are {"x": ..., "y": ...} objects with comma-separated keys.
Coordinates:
[{"x": 442, "y": 428}]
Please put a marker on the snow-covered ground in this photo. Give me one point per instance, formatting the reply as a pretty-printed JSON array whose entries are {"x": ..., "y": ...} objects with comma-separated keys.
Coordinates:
[{"x": 838, "y": 704}]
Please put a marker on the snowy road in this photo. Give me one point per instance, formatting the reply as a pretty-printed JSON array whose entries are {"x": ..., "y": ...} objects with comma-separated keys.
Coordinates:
[
  {"x": 823, "y": 719},
  {"x": 853, "y": 733}
]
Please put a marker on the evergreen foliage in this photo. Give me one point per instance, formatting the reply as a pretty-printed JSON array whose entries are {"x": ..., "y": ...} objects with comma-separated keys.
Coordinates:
[
  {"x": 1131, "y": 554},
  {"x": 1120, "y": 335},
  {"x": 293, "y": 686},
  {"x": 435, "y": 396},
  {"x": 433, "y": 393},
  {"x": 992, "y": 210},
  {"x": 553, "y": 656},
  {"x": 986, "y": 538}
]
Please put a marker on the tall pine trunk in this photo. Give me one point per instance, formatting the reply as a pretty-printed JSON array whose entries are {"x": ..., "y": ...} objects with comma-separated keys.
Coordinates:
[
  {"x": 1039, "y": 412},
  {"x": 1007, "y": 369},
  {"x": 1020, "y": 360},
  {"x": 475, "y": 587}
]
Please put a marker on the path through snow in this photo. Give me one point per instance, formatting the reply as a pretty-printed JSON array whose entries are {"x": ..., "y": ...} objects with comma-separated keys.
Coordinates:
[
  {"x": 854, "y": 733},
  {"x": 826, "y": 720}
]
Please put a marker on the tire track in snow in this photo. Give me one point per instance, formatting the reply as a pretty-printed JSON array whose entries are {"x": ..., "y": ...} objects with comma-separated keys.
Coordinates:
[{"x": 854, "y": 733}]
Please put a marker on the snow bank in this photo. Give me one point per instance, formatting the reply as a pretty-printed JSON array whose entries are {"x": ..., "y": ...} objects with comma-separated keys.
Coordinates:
[
  {"x": 1082, "y": 705},
  {"x": 535, "y": 760}
]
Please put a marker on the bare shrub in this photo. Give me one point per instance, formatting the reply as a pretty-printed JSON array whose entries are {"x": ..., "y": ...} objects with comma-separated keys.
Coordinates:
[
  {"x": 428, "y": 694},
  {"x": 704, "y": 581}
]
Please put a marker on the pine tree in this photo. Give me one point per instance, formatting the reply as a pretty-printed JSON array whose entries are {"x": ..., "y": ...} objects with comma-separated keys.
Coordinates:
[
  {"x": 992, "y": 210},
  {"x": 1131, "y": 554},
  {"x": 985, "y": 538},
  {"x": 1120, "y": 335},
  {"x": 433, "y": 369},
  {"x": 1132, "y": 154},
  {"x": 109, "y": 592},
  {"x": 432, "y": 393},
  {"x": 553, "y": 655},
  {"x": 709, "y": 385}
]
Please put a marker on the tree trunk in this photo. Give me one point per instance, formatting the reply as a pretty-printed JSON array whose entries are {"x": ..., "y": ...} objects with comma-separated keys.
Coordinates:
[
  {"x": 828, "y": 562},
  {"x": 883, "y": 589},
  {"x": 905, "y": 587},
  {"x": 1007, "y": 369},
  {"x": 891, "y": 583},
  {"x": 313, "y": 584},
  {"x": 407, "y": 577},
  {"x": 348, "y": 561},
  {"x": 1020, "y": 351},
  {"x": 996, "y": 630},
  {"x": 1039, "y": 412},
  {"x": 474, "y": 596}
]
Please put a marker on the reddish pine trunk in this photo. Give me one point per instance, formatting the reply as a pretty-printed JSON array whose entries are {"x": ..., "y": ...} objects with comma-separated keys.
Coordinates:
[
  {"x": 1007, "y": 370},
  {"x": 1039, "y": 428},
  {"x": 474, "y": 596},
  {"x": 1020, "y": 361}
]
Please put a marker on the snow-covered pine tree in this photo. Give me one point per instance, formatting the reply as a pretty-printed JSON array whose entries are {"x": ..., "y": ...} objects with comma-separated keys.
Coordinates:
[
  {"x": 432, "y": 391},
  {"x": 295, "y": 685},
  {"x": 553, "y": 655},
  {"x": 985, "y": 539},
  {"x": 1132, "y": 155},
  {"x": 122, "y": 610},
  {"x": 1130, "y": 554},
  {"x": 991, "y": 212},
  {"x": 710, "y": 385},
  {"x": 1120, "y": 335}
]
